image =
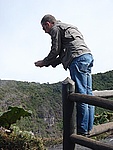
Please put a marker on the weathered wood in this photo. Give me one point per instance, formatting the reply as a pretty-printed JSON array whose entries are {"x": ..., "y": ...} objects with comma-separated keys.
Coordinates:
[
  {"x": 69, "y": 114},
  {"x": 90, "y": 143},
  {"x": 104, "y": 93},
  {"x": 101, "y": 128},
  {"x": 70, "y": 138},
  {"x": 92, "y": 100}
]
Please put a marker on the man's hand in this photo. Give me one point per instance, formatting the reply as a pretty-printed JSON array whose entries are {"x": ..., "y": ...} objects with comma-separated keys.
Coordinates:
[{"x": 39, "y": 63}]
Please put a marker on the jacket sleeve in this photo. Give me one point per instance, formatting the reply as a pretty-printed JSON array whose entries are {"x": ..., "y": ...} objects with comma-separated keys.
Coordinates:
[{"x": 52, "y": 58}]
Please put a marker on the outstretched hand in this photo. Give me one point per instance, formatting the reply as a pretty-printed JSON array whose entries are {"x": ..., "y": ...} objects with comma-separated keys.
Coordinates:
[{"x": 39, "y": 63}]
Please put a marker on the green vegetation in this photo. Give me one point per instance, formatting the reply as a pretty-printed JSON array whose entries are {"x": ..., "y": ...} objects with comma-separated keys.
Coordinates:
[
  {"x": 103, "y": 81},
  {"x": 19, "y": 140},
  {"x": 104, "y": 117},
  {"x": 45, "y": 102},
  {"x": 12, "y": 115}
]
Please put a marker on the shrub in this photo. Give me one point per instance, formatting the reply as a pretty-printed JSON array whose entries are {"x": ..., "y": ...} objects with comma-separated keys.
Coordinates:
[{"x": 20, "y": 141}]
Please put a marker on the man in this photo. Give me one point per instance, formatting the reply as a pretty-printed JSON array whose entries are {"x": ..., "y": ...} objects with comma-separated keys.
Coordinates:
[{"x": 68, "y": 47}]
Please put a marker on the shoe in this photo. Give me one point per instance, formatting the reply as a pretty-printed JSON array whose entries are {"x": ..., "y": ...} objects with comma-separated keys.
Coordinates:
[
  {"x": 89, "y": 132},
  {"x": 83, "y": 134}
]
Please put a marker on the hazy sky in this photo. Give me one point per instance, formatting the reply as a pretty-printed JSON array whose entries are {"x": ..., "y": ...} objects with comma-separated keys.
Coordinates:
[{"x": 22, "y": 40}]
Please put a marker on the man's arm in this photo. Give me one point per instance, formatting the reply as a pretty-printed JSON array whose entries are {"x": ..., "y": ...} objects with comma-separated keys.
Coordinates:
[
  {"x": 40, "y": 63},
  {"x": 56, "y": 62},
  {"x": 52, "y": 58},
  {"x": 55, "y": 48}
]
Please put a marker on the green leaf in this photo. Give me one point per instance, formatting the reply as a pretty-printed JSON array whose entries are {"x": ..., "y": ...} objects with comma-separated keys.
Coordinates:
[{"x": 12, "y": 115}]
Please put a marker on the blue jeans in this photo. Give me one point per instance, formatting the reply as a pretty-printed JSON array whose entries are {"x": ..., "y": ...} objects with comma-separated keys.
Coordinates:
[{"x": 80, "y": 72}]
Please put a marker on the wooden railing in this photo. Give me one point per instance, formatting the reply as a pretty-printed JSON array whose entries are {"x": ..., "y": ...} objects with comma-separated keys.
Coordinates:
[{"x": 69, "y": 99}]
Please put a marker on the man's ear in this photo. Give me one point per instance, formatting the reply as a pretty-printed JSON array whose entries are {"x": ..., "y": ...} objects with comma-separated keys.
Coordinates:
[{"x": 47, "y": 23}]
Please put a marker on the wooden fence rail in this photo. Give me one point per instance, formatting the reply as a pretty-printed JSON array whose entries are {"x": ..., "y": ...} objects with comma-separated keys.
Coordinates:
[
  {"x": 92, "y": 100},
  {"x": 69, "y": 99}
]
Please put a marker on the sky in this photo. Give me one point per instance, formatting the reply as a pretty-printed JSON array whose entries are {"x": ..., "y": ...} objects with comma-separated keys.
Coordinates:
[{"x": 23, "y": 42}]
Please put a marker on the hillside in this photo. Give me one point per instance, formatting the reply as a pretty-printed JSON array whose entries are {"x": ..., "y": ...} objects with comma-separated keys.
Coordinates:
[
  {"x": 103, "y": 81},
  {"x": 45, "y": 102}
]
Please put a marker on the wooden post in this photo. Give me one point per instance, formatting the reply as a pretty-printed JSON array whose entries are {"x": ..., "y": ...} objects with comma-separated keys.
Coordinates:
[{"x": 69, "y": 114}]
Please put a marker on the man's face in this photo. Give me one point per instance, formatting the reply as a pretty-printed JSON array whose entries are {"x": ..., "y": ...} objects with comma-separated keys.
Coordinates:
[{"x": 47, "y": 27}]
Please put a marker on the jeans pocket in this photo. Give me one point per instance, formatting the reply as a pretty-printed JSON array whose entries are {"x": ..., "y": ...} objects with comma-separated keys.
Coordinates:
[
  {"x": 85, "y": 65},
  {"x": 82, "y": 67}
]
